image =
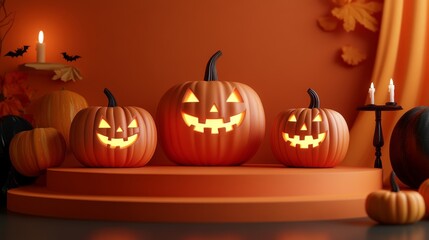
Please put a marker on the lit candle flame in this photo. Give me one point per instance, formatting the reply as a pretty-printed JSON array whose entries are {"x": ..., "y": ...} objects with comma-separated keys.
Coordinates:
[{"x": 41, "y": 36}]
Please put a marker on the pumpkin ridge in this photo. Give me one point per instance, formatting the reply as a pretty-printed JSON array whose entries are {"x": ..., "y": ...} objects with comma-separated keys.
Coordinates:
[{"x": 333, "y": 134}]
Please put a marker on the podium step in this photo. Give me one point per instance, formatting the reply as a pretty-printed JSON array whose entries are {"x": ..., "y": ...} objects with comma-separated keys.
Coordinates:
[{"x": 252, "y": 193}]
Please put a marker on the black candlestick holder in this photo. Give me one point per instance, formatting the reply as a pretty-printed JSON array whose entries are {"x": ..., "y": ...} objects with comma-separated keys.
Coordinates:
[{"x": 378, "y": 140}]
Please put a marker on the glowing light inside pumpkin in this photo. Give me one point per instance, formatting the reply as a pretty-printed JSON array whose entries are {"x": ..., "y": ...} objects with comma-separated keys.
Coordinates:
[
  {"x": 292, "y": 118},
  {"x": 306, "y": 142},
  {"x": 318, "y": 118},
  {"x": 308, "y": 139},
  {"x": 103, "y": 124},
  {"x": 213, "y": 124},
  {"x": 214, "y": 109},
  {"x": 190, "y": 97},
  {"x": 117, "y": 142},
  {"x": 234, "y": 97}
]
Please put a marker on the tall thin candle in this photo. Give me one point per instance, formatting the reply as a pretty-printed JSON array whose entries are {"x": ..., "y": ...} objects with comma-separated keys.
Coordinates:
[
  {"x": 40, "y": 48},
  {"x": 371, "y": 92},
  {"x": 391, "y": 91}
]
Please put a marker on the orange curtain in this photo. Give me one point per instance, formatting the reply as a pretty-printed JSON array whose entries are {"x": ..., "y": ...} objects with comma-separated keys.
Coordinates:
[{"x": 402, "y": 55}]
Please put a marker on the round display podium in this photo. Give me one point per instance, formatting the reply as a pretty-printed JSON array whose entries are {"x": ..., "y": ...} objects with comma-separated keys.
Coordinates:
[{"x": 248, "y": 193}]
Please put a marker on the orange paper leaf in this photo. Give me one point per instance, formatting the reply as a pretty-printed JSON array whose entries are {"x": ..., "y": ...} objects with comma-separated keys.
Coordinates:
[
  {"x": 352, "y": 56},
  {"x": 358, "y": 11},
  {"x": 11, "y": 106},
  {"x": 14, "y": 85},
  {"x": 328, "y": 23}
]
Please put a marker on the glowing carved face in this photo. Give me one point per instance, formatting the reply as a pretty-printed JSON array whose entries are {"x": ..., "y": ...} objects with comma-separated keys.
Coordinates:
[
  {"x": 111, "y": 142},
  {"x": 304, "y": 140},
  {"x": 214, "y": 124}
]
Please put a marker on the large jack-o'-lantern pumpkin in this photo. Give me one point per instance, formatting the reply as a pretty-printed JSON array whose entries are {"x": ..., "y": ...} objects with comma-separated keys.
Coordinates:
[
  {"x": 310, "y": 137},
  {"x": 210, "y": 122},
  {"x": 113, "y": 136}
]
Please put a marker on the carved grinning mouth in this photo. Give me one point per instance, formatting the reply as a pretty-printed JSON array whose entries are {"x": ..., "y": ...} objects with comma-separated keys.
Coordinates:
[
  {"x": 214, "y": 124},
  {"x": 117, "y": 142},
  {"x": 304, "y": 143}
]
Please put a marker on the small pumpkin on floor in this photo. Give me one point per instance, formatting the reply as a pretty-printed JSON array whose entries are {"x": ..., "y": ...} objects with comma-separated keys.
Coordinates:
[{"x": 395, "y": 206}]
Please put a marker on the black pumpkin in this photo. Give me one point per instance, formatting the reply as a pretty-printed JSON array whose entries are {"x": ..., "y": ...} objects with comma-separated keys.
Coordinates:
[
  {"x": 9, "y": 177},
  {"x": 409, "y": 147}
]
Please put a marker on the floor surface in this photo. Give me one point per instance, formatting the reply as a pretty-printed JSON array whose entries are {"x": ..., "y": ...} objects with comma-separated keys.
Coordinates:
[{"x": 17, "y": 226}]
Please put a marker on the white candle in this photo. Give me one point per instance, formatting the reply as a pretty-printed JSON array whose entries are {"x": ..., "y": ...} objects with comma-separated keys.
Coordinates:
[
  {"x": 391, "y": 91},
  {"x": 40, "y": 48},
  {"x": 371, "y": 92}
]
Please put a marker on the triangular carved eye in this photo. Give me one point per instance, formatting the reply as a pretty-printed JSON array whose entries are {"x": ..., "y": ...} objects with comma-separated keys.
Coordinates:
[
  {"x": 292, "y": 118},
  {"x": 234, "y": 97},
  {"x": 190, "y": 97},
  {"x": 318, "y": 118},
  {"x": 103, "y": 124},
  {"x": 133, "y": 124},
  {"x": 214, "y": 108}
]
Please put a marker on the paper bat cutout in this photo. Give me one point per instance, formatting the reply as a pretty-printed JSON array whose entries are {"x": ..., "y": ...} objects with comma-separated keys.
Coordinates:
[
  {"x": 19, "y": 52},
  {"x": 70, "y": 58}
]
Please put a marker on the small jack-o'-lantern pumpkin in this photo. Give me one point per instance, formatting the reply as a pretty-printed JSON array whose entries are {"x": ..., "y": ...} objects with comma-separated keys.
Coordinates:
[
  {"x": 310, "y": 137},
  {"x": 210, "y": 122},
  {"x": 113, "y": 136}
]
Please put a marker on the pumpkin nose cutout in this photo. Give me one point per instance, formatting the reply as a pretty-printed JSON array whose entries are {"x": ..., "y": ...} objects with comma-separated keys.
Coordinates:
[
  {"x": 214, "y": 109},
  {"x": 304, "y": 127},
  {"x": 119, "y": 129}
]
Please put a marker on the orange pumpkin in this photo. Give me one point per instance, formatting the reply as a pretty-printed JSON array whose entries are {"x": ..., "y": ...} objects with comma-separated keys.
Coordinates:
[
  {"x": 395, "y": 206},
  {"x": 113, "y": 136},
  {"x": 210, "y": 122},
  {"x": 57, "y": 109},
  {"x": 33, "y": 151},
  {"x": 310, "y": 137},
  {"x": 424, "y": 191}
]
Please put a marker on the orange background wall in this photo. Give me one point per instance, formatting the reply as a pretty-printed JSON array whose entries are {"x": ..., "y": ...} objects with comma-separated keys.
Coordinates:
[{"x": 140, "y": 48}]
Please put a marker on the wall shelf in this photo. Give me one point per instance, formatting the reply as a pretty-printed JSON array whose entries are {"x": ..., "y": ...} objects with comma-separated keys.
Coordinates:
[{"x": 45, "y": 66}]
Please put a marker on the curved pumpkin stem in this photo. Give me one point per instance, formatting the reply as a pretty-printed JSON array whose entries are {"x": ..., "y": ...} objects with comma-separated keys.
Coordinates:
[
  {"x": 211, "y": 72},
  {"x": 110, "y": 98},
  {"x": 314, "y": 99},
  {"x": 394, "y": 185}
]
